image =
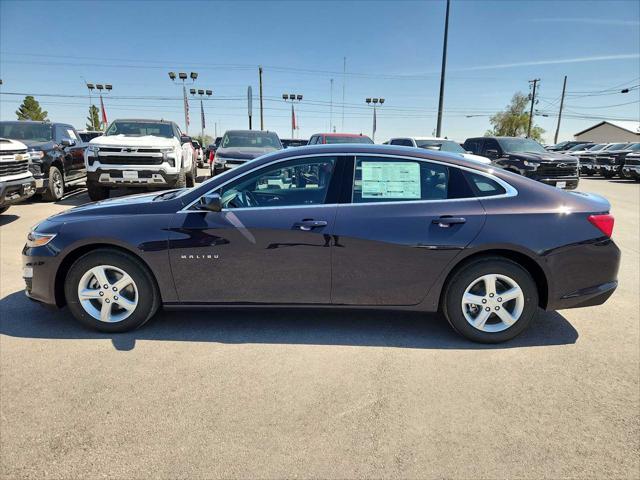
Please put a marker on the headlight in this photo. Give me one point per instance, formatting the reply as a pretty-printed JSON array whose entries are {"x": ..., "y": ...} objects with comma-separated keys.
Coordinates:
[
  {"x": 93, "y": 149},
  {"x": 219, "y": 160},
  {"x": 532, "y": 164},
  {"x": 36, "y": 154},
  {"x": 167, "y": 151},
  {"x": 35, "y": 239}
]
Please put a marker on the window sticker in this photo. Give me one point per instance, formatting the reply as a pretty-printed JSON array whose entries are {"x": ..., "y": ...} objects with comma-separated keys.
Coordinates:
[{"x": 391, "y": 180}]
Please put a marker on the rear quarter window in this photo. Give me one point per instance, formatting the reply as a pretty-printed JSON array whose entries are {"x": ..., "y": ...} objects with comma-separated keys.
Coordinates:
[{"x": 484, "y": 186}]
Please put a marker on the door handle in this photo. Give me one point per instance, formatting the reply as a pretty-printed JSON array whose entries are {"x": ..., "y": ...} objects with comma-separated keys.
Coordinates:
[
  {"x": 308, "y": 225},
  {"x": 446, "y": 221}
]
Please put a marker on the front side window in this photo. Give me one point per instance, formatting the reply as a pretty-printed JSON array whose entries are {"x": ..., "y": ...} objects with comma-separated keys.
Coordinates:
[
  {"x": 300, "y": 182},
  {"x": 378, "y": 179}
]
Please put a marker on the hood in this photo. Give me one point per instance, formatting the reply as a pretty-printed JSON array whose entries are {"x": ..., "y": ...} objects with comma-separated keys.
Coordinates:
[
  {"x": 7, "y": 144},
  {"x": 124, "y": 140},
  {"x": 129, "y": 205},
  {"x": 544, "y": 157},
  {"x": 244, "y": 153},
  {"x": 476, "y": 158},
  {"x": 38, "y": 145}
]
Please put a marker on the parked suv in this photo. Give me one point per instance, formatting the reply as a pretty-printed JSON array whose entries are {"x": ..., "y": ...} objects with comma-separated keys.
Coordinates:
[
  {"x": 611, "y": 161},
  {"x": 139, "y": 153},
  {"x": 239, "y": 146},
  {"x": 16, "y": 181},
  {"x": 438, "y": 144},
  {"x": 56, "y": 151},
  {"x": 527, "y": 157}
]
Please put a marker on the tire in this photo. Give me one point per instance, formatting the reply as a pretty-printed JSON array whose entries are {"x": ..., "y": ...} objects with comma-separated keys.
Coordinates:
[
  {"x": 508, "y": 275},
  {"x": 55, "y": 189},
  {"x": 3, "y": 209},
  {"x": 96, "y": 192},
  {"x": 181, "y": 181},
  {"x": 191, "y": 176},
  {"x": 141, "y": 294}
]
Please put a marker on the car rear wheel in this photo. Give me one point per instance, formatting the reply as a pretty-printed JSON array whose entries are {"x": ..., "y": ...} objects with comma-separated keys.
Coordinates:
[
  {"x": 490, "y": 300},
  {"x": 111, "y": 291},
  {"x": 55, "y": 189}
]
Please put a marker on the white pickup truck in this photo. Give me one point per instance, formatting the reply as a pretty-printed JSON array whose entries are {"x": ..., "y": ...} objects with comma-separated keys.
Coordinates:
[
  {"x": 16, "y": 181},
  {"x": 139, "y": 153}
]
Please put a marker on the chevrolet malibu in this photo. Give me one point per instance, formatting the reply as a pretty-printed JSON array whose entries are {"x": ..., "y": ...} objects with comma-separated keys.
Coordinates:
[{"x": 358, "y": 226}]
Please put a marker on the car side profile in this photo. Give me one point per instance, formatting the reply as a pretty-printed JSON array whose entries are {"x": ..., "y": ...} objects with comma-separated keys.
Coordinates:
[{"x": 358, "y": 226}]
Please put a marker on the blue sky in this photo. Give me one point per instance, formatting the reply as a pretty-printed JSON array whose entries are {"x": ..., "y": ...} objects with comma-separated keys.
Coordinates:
[{"x": 393, "y": 50}]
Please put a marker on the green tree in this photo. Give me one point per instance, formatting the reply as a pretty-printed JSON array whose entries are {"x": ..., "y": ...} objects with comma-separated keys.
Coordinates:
[
  {"x": 514, "y": 120},
  {"x": 30, "y": 110},
  {"x": 93, "y": 120},
  {"x": 204, "y": 140}
]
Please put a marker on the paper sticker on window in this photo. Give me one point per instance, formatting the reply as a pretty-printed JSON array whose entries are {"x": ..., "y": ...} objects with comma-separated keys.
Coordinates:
[{"x": 391, "y": 180}]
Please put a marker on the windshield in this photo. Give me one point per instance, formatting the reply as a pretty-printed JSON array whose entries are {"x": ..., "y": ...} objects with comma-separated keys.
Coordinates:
[
  {"x": 597, "y": 147},
  {"x": 35, "y": 132},
  {"x": 515, "y": 145},
  {"x": 340, "y": 139},
  {"x": 140, "y": 129},
  {"x": 442, "y": 145},
  {"x": 250, "y": 139},
  {"x": 616, "y": 146},
  {"x": 580, "y": 146}
]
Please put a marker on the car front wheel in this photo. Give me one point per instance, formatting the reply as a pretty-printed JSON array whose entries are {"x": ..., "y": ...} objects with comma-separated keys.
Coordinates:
[
  {"x": 55, "y": 189},
  {"x": 111, "y": 291},
  {"x": 490, "y": 300}
]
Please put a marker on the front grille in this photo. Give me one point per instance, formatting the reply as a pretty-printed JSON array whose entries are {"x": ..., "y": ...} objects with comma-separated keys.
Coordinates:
[
  {"x": 602, "y": 160},
  {"x": 11, "y": 153},
  {"x": 129, "y": 160},
  {"x": 127, "y": 149},
  {"x": 586, "y": 160},
  {"x": 632, "y": 161},
  {"x": 13, "y": 168},
  {"x": 554, "y": 171}
]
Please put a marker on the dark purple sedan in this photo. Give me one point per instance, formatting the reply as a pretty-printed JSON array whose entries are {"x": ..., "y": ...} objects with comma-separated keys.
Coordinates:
[{"x": 334, "y": 225}]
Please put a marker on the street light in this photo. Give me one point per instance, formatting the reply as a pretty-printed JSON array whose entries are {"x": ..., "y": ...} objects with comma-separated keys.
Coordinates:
[
  {"x": 374, "y": 102},
  {"x": 200, "y": 93},
  {"x": 107, "y": 87},
  {"x": 183, "y": 76},
  {"x": 292, "y": 97}
]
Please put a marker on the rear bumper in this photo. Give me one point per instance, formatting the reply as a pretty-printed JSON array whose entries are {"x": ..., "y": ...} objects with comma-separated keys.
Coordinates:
[
  {"x": 145, "y": 178},
  {"x": 15, "y": 191}
]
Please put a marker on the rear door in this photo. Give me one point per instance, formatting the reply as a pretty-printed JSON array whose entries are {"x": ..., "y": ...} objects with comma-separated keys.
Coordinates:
[{"x": 402, "y": 221}]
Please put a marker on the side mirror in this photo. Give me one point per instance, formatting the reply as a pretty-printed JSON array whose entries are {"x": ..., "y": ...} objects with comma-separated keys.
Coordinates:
[
  {"x": 67, "y": 142},
  {"x": 211, "y": 202},
  {"x": 492, "y": 153},
  {"x": 185, "y": 139}
]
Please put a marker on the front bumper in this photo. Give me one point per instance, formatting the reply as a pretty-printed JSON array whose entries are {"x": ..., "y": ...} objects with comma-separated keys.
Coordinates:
[
  {"x": 143, "y": 178},
  {"x": 15, "y": 191},
  {"x": 631, "y": 169}
]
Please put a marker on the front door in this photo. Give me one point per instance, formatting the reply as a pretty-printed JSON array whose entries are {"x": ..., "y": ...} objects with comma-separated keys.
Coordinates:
[
  {"x": 406, "y": 220},
  {"x": 269, "y": 244}
]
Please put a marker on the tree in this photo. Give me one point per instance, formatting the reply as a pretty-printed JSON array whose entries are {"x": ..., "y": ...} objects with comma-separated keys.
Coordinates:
[
  {"x": 93, "y": 120},
  {"x": 514, "y": 120},
  {"x": 203, "y": 140},
  {"x": 30, "y": 110}
]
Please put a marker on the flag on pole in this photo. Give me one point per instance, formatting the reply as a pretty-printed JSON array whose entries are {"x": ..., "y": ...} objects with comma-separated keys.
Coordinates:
[
  {"x": 202, "y": 115},
  {"x": 104, "y": 113}
]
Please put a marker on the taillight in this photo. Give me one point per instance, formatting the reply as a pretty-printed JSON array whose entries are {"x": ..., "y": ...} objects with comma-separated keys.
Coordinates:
[{"x": 603, "y": 222}]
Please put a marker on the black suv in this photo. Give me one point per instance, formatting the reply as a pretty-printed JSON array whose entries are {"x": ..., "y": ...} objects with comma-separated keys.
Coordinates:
[
  {"x": 527, "y": 157},
  {"x": 610, "y": 162},
  {"x": 56, "y": 151}
]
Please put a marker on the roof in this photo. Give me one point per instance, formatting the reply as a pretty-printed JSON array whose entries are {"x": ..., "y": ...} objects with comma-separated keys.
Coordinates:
[
  {"x": 146, "y": 120},
  {"x": 333, "y": 134},
  {"x": 627, "y": 125}
]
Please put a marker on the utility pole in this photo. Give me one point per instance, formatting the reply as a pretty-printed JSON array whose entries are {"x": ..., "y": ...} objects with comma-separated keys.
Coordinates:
[
  {"x": 564, "y": 88},
  {"x": 533, "y": 101},
  {"x": 344, "y": 81},
  {"x": 261, "y": 114},
  {"x": 442, "y": 72}
]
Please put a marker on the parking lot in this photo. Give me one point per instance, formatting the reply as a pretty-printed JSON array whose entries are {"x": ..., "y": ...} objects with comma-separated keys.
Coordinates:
[{"x": 287, "y": 393}]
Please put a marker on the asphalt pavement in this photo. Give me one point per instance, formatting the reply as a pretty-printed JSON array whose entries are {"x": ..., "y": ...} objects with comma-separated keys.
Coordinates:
[{"x": 319, "y": 394}]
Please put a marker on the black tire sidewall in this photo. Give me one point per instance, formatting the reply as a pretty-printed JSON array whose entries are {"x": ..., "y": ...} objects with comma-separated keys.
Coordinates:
[
  {"x": 147, "y": 294},
  {"x": 49, "y": 194},
  {"x": 475, "y": 269}
]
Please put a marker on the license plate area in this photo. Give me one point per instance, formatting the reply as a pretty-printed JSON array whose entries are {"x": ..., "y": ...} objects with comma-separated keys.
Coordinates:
[
  {"x": 130, "y": 175},
  {"x": 561, "y": 184}
]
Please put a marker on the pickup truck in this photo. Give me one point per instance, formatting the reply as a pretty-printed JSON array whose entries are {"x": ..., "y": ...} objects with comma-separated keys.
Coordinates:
[
  {"x": 528, "y": 158},
  {"x": 56, "y": 152},
  {"x": 139, "y": 153},
  {"x": 16, "y": 181}
]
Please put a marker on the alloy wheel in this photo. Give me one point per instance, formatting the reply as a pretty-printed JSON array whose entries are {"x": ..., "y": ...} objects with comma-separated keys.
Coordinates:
[
  {"x": 492, "y": 303},
  {"x": 58, "y": 189},
  {"x": 108, "y": 293}
]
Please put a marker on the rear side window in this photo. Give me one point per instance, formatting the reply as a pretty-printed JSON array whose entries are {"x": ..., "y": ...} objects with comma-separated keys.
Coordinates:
[
  {"x": 380, "y": 179},
  {"x": 402, "y": 141},
  {"x": 484, "y": 186},
  {"x": 473, "y": 145}
]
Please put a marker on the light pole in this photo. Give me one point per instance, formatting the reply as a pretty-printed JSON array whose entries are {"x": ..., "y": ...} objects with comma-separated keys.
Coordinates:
[
  {"x": 107, "y": 87},
  {"x": 201, "y": 93},
  {"x": 292, "y": 97},
  {"x": 374, "y": 102},
  {"x": 183, "y": 77}
]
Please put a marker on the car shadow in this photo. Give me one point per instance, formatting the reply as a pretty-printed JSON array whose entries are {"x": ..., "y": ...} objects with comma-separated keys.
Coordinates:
[
  {"x": 20, "y": 317},
  {"x": 6, "y": 219}
]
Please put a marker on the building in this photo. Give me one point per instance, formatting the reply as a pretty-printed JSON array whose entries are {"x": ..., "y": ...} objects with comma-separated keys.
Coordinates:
[{"x": 611, "y": 131}]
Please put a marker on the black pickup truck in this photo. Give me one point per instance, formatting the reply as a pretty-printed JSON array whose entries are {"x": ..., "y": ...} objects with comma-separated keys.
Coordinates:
[
  {"x": 611, "y": 161},
  {"x": 527, "y": 157},
  {"x": 56, "y": 151}
]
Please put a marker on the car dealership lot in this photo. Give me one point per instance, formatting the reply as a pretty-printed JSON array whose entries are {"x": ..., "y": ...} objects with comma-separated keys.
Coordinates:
[{"x": 286, "y": 393}]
